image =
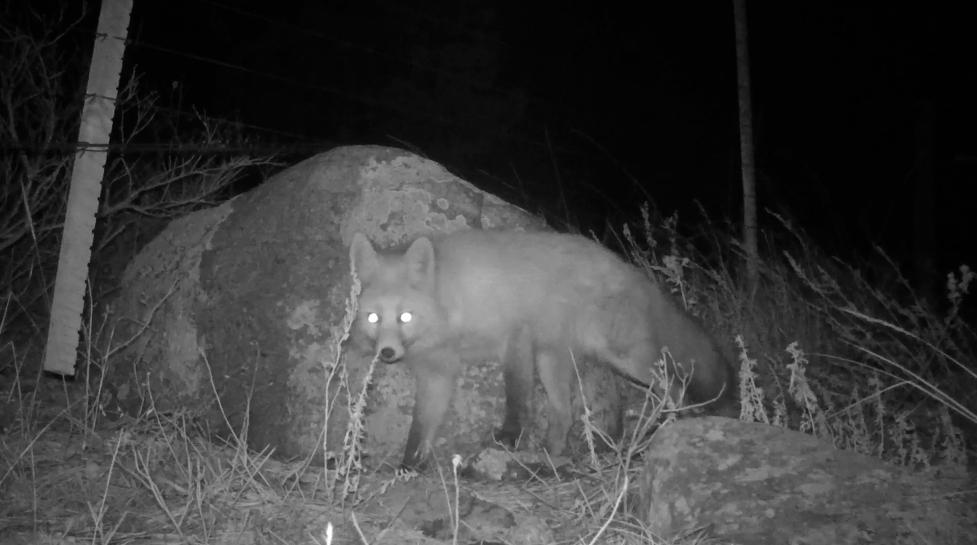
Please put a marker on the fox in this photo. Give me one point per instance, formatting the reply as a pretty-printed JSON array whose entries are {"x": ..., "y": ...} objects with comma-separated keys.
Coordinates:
[{"x": 536, "y": 301}]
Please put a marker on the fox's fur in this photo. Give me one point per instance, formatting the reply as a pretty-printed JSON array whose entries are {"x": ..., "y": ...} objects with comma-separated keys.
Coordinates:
[{"x": 523, "y": 298}]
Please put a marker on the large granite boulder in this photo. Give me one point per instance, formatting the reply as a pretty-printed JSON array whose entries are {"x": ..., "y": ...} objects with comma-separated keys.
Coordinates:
[{"x": 235, "y": 314}]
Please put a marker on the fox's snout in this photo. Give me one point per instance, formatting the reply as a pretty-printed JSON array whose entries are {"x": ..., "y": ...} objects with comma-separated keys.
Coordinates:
[
  {"x": 389, "y": 354},
  {"x": 389, "y": 345}
]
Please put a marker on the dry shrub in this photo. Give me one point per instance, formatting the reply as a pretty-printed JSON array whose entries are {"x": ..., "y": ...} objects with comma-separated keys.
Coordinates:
[{"x": 824, "y": 350}]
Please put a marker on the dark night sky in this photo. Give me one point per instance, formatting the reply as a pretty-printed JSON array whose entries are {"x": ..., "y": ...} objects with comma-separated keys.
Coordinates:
[{"x": 616, "y": 102}]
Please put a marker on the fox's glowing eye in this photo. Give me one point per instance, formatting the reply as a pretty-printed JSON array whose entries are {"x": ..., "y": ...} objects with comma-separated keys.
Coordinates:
[
  {"x": 372, "y": 317},
  {"x": 406, "y": 317}
]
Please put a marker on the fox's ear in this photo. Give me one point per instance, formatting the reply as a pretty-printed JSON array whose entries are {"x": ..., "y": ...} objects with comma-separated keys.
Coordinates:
[
  {"x": 420, "y": 264},
  {"x": 363, "y": 257}
]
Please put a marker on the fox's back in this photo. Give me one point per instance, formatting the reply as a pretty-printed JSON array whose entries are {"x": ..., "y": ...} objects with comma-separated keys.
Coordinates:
[{"x": 490, "y": 282}]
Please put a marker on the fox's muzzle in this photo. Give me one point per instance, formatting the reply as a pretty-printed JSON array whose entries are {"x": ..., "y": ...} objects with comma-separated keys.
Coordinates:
[{"x": 388, "y": 354}]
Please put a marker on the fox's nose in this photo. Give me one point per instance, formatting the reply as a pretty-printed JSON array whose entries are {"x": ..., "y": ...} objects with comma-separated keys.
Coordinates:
[{"x": 388, "y": 354}]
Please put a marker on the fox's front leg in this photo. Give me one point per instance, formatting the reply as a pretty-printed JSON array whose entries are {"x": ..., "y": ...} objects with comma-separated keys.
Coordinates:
[
  {"x": 435, "y": 384},
  {"x": 556, "y": 373}
]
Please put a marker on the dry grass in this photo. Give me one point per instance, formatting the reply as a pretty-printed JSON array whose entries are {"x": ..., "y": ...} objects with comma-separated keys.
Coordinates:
[
  {"x": 824, "y": 350},
  {"x": 895, "y": 388}
]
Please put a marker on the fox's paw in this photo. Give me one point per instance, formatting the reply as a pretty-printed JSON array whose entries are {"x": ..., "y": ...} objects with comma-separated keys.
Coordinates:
[
  {"x": 416, "y": 461},
  {"x": 507, "y": 436},
  {"x": 405, "y": 474}
]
